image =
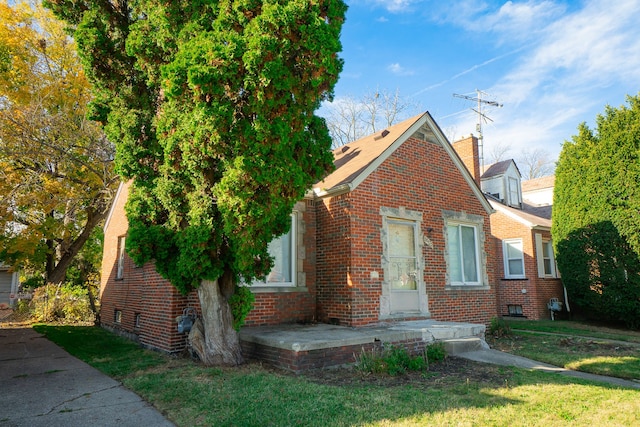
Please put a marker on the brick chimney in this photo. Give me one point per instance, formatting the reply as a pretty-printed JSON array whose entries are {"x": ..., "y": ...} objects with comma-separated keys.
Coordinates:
[{"x": 467, "y": 149}]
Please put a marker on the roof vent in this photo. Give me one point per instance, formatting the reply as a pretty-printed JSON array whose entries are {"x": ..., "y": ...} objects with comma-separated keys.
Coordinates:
[
  {"x": 345, "y": 149},
  {"x": 382, "y": 135}
]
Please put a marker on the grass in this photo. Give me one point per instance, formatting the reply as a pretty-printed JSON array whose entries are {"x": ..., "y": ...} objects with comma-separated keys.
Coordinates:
[
  {"x": 111, "y": 354},
  {"x": 575, "y": 346},
  {"x": 575, "y": 329},
  {"x": 251, "y": 395}
]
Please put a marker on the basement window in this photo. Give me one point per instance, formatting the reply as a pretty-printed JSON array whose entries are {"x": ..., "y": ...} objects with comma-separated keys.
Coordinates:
[{"x": 515, "y": 310}]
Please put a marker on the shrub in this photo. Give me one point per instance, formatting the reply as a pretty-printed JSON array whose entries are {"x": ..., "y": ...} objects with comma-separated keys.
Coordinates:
[
  {"x": 394, "y": 360},
  {"x": 436, "y": 352},
  {"x": 499, "y": 328},
  {"x": 61, "y": 303}
]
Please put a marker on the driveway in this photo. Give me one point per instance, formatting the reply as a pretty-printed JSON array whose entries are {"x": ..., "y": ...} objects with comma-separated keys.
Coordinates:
[{"x": 43, "y": 385}]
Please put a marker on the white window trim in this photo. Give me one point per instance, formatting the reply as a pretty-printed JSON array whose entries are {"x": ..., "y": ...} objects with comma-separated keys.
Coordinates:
[
  {"x": 475, "y": 221},
  {"x": 293, "y": 233},
  {"x": 505, "y": 257},
  {"x": 513, "y": 191},
  {"x": 539, "y": 241},
  {"x": 120, "y": 259}
]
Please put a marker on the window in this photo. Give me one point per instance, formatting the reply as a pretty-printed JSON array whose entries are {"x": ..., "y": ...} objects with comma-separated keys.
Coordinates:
[
  {"x": 545, "y": 257},
  {"x": 283, "y": 251},
  {"x": 462, "y": 246},
  {"x": 514, "y": 192},
  {"x": 120, "y": 263},
  {"x": 513, "y": 259},
  {"x": 136, "y": 322},
  {"x": 117, "y": 317},
  {"x": 514, "y": 310},
  {"x": 403, "y": 263}
]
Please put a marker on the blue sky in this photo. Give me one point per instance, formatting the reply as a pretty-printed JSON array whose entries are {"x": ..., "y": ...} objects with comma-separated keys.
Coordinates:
[{"x": 552, "y": 64}]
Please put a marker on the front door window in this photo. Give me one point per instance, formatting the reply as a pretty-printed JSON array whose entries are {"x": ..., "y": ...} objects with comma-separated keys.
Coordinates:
[{"x": 402, "y": 256}]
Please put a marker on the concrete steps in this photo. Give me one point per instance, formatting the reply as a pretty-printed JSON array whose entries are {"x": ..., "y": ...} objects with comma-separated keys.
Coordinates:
[{"x": 464, "y": 345}]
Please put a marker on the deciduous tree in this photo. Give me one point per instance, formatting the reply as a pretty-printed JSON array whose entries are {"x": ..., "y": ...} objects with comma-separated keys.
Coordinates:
[
  {"x": 56, "y": 172},
  {"x": 211, "y": 105},
  {"x": 350, "y": 119}
]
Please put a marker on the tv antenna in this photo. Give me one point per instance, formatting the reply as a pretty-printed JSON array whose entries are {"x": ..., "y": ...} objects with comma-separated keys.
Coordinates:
[{"x": 481, "y": 116}]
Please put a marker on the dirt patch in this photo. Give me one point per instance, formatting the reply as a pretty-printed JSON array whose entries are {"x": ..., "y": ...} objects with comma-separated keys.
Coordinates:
[{"x": 451, "y": 371}]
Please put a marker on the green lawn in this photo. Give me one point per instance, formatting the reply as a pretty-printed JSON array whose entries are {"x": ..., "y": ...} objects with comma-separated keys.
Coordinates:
[
  {"x": 575, "y": 329},
  {"x": 251, "y": 395},
  {"x": 576, "y": 346}
]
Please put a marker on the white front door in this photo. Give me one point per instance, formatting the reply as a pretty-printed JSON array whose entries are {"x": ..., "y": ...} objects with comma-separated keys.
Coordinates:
[{"x": 403, "y": 267}]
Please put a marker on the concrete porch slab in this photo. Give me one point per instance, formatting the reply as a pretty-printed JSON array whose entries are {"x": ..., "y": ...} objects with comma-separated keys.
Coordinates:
[{"x": 299, "y": 347}]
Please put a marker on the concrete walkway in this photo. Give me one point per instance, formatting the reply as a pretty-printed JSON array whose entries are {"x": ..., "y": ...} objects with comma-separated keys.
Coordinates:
[
  {"x": 501, "y": 358},
  {"x": 43, "y": 385}
]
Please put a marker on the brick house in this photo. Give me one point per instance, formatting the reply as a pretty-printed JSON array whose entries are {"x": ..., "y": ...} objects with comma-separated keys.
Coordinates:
[
  {"x": 399, "y": 231},
  {"x": 528, "y": 276}
]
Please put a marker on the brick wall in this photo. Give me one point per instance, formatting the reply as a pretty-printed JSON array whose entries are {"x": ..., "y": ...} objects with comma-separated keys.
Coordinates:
[
  {"x": 340, "y": 247},
  {"x": 333, "y": 258},
  {"x": 419, "y": 176},
  {"x": 300, "y": 361},
  {"x": 144, "y": 295},
  {"x": 467, "y": 149},
  {"x": 533, "y": 292}
]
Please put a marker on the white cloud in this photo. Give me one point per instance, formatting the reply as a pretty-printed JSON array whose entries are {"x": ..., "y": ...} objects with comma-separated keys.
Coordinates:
[
  {"x": 397, "y": 6},
  {"x": 399, "y": 70}
]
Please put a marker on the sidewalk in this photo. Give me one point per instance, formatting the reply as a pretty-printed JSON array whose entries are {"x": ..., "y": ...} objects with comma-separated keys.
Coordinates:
[
  {"x": 43, "y": 385},
  {"x": 501, "y": 358}
]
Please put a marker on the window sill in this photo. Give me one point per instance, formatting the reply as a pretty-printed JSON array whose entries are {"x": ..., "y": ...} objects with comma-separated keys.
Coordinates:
[
  {"x": 514, "y": 279},
  {"x": 277, "y": 289},
  {"x": 467, "y": 287}
]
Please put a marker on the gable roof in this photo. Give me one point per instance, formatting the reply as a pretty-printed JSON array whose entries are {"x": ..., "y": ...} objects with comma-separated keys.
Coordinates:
[
  {"x": 499, "y": 168},
  {"x": 355, "y": 161},
  {"x": 531, "y": 216}
]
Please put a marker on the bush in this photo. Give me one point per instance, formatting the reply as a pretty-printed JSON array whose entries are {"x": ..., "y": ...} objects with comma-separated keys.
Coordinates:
[
  {"x": 394, "y": 360},
  {"x": 61, "y": 303},
  {"x": 499, "y": 328}
]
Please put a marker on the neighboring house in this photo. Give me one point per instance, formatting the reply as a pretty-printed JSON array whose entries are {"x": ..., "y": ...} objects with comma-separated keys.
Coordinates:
[
  {"x": 522, "y": 229},
  {"x": 8, "y": 285},
  {"x": 399, "y": 231},
  {"x": 539, "y": 191},
  {"x": 502, "y": 181}
]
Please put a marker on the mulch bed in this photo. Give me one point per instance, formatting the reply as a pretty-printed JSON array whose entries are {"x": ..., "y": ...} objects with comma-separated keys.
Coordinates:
[{"x": 451, "y": 371}]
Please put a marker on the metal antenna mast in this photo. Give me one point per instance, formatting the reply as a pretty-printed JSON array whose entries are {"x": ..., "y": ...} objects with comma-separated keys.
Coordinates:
[{"x": 481, "y": 116}]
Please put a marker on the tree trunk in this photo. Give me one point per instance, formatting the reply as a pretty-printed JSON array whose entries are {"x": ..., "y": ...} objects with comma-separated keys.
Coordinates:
[
  {"x": 213, "y": 339},
  {"x": 58, "y": 272}
]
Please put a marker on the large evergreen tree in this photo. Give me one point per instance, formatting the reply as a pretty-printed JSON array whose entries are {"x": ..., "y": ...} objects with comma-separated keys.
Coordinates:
[
  {"x": 596, "y": 215},
  {"x": 212, "y": 108}
]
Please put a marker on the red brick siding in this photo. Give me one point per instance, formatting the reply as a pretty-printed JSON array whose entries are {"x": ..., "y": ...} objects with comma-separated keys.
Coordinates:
[
  {"x": 538, "y": 290},
  {"x": 333, "y": 257},
  {"x": 419, "y": 176},
  {"x": 300, "y": 361},
  {"x": 143, "y": 291}
]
